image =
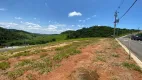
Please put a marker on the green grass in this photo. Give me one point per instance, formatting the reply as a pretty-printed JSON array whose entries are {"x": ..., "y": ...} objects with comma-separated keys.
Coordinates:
[
  {"x": 25, "y": 53},
  {"x": 65, "y": 53},
  {"x": 42, "y": 67},
  {"x": 24, "y": 62},
  {"x": 132, "y": 66},
  {"x": 115, "y": 55},
  {"x": 101, "y": 58},
  {"x": 3, "y": 57},
  {"x": 4, "y": 65},
  {"x": 16, "y": 73},
  {"x": 46, "y": 63},
  {"x": 73, "y": 49},
  {"x": 30, "y": 77}
]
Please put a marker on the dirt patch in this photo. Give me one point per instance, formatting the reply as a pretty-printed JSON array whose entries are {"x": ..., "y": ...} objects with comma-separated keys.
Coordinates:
[
  {"x": 84, "y": 74},
  {"x": 71, "y": 64},
  {"x": 100, "y": 61},
  {"x": 106, "y": 67}
]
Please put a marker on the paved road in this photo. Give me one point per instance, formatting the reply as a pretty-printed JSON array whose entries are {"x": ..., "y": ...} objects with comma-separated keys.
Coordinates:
[
  {"x": 10, "y": 48},
  {"x": 135, "y": 46}
]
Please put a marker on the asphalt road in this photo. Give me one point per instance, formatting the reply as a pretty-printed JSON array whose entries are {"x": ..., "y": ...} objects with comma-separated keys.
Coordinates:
[
  {"x": 135, "y": 46},
  {"x": 10, "y": 48}
]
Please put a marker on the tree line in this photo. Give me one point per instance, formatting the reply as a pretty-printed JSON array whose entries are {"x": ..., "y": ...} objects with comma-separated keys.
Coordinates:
[{"x": 97, "y": 31}]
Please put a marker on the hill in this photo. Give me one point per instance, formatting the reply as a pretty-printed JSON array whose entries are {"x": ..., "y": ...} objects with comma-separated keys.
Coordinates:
[
  {"x": 97, "y": 31},
  {"x": 10, "y": 37}
]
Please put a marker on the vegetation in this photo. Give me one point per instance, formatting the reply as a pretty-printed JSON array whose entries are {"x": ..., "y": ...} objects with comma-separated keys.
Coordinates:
[
  {"x": 4, "y": 65},
  {"x": 12, "y": 37},
  {"x": 97, "y": 31},
  {"x": 101, "y": 58},
  {"x": 115, "y": 55},
  {"x": 16, "y": 73},
  {"x": 131, "y": 66}
]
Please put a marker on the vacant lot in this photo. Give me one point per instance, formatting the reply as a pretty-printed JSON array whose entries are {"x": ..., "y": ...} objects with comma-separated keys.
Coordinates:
[{"x": 79, "y": 59}]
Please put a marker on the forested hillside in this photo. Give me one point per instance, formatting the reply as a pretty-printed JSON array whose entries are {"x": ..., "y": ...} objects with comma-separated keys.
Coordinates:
[
  {"x": 97, "y": 31},
  {"x": 10, "y": 37}
]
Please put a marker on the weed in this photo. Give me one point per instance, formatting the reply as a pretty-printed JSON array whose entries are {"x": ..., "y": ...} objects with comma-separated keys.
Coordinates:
[
  {"x": 59, "y": 48},
  {"x": 43, "y": 67},
  {"x": 65, "y": 52},
  {"x": 3, "y": 57},
  {"x": 101, "y": 58},
  {"x": 37, "y": 51},
  {"x": 16, "y": 73},
  {"x": 24, "y": 62},
  {"x": 43, "y": 50},
  {"x": 4, "y": 65},
  {"x": 115, "y": 55},
  {"x": 30, "y": 77},
  {"x": 43, "y": 55},
  {"x": 131, "y": 66},
  {"x": 46, "y": 60},
  {"x": 21, "y": 54}
]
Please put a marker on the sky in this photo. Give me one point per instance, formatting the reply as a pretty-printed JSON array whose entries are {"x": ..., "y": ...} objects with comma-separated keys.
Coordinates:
[{"x": 56, "y": 16}]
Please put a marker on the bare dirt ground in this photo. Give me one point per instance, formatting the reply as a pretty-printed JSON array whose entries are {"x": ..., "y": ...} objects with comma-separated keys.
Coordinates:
[
  {"x": 109, "y": 68},
  {"x": 100, "y": 61}
]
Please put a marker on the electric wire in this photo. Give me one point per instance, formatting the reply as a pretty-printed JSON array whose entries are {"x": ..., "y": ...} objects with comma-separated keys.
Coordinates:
[{"x": 128, "y": 10}]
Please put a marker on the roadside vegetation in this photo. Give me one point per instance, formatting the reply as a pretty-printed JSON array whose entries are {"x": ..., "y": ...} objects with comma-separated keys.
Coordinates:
[
  {"x": 48, "y": 52},
  {"x": 48, "y": 58},
  {"x": 132, "y": 66}
]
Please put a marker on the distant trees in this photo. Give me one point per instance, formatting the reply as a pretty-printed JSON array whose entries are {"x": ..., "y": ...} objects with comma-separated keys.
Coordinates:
[
  {"x": 11, "y": 37},
  {"x": 97, "y": 31}
]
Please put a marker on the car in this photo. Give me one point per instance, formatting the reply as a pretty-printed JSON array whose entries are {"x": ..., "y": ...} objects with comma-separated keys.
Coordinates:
[{"x": 136, "y": 37}]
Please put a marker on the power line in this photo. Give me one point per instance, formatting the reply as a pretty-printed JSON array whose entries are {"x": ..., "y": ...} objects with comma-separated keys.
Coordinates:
[
  {"x": 121, "y": 3},
  {"x": 128, "y": 10}
]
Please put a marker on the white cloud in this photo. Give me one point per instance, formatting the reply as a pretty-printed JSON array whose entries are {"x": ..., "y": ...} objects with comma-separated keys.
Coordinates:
[
  {"x": 87, "y": 19},
  {"x": 3, "y": 9},
  {"x": 7, "y": 25},
  {"x": 80, "y": 26},
  {"x": 82, "y": 21},
  {"x": 18, "y": 18},
  {"x": 36, "y": 28},
  {"x": 74, "y": 13}
]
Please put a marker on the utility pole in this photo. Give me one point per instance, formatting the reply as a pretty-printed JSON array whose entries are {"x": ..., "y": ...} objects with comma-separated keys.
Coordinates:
[{"x": 115, "y": 22}]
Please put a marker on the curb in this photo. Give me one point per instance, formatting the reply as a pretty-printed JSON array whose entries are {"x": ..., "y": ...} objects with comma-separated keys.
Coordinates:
[{"x": 132, "y": 54}]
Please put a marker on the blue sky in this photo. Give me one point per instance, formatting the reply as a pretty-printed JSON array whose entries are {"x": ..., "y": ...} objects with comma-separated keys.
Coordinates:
[{"x": 55, "y": 16}]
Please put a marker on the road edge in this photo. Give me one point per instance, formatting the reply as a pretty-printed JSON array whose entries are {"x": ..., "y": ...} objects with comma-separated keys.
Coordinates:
[{"x": 132, "y": 54}]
